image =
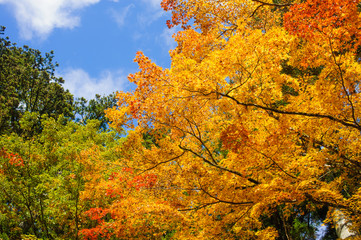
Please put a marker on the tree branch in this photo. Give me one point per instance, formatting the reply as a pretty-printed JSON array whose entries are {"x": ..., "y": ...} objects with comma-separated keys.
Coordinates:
[
  {"x": 273, "y": 4},
  {"x": 262, "y": 3},
  {"x": 275, "y": 163},
  {"x": 220, "y": 167},
  {"x": 224, "y": 201},
  {"x": 317, "y": 115},
  {"x": 156, "y": 165},
  {"x": 343, "y": 84},
  {"x": 199, "y": 207}
]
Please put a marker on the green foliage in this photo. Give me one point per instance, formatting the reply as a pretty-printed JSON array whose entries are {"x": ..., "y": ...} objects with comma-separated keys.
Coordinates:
[
  {"x": 41, "y": 177},
  {"x": 149, "y": 140},
  {"x": 41, "y": 172},
  {"x": 300, "y": 73},
  {"x": 168, "y": 235},
  {"x": 289, "y": 90},
  {"x": 94, "y": 109},
  {"x": 302, "y": 230},
  {"x": 28, "y": 84}
]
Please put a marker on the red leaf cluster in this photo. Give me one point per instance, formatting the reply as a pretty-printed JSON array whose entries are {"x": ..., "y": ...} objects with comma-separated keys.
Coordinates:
[{"x": 14, "y": 158}]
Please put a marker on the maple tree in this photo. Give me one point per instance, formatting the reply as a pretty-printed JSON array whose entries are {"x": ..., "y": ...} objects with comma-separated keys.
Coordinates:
[
  {"x": 124, "y": 206},
  {"x": 256, "y": 124}
]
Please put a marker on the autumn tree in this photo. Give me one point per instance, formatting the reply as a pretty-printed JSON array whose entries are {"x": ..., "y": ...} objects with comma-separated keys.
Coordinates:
[
  {"x": 123, "y": 204},
  {"x": 256, "y": 124}
]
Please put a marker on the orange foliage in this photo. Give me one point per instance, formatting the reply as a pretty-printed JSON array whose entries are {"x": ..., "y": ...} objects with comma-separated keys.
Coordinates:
[
  {"x": 121, "y": 202},
  {"x": 258, "y": 116},
  {"x": 14, "y": 158},
  {"x": 338, "y": 19}
]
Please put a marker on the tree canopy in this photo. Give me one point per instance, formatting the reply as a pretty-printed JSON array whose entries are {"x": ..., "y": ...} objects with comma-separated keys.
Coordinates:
[
  {"x": 257, "y": 121},
  {"x": 251, "y": 133},
  {"x": 28, "y": 84},
  {"x": 86, "y": 110}
]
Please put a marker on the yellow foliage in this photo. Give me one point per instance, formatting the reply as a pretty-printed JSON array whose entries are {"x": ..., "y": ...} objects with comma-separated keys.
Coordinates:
[{"x": 252, "y": 115}]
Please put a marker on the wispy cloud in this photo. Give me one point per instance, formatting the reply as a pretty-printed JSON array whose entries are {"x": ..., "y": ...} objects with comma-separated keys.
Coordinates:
[
  {"x": 148, "y": 17},
  {"x": 120, "y": 16},
  {"x": 81, "y": 84},
  {"x": 153, "y": 3},
  {"x": 152, "y": 13},
  {"x": 40, "y": 17},
  {"x": 167, "y": 38}
]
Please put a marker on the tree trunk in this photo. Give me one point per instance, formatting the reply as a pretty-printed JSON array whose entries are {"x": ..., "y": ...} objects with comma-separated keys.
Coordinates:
[{"x": 343, "y": 225}]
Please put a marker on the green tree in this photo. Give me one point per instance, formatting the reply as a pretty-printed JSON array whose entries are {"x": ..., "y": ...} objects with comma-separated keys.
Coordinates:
[
  {"x": 41, "y": 178},
  {"x": 94, "y": 109},
  {"x": 28, "y": 84}
]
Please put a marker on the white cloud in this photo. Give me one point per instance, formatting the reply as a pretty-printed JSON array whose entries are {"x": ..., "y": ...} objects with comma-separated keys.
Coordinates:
[
  {"x": 147, "y": 18},
  {"x": 40, "y": 17},
  {"x": 152, "y": 13},
  {"x": 119, "y": 16},
  {"x": 81, "y": 84},
  {"x": 153, "y": 3},
  {"x": 167, "y": 37}
]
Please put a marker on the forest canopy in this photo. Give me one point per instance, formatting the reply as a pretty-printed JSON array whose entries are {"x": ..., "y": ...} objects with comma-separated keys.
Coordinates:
[{"x": 251, "y": 133}]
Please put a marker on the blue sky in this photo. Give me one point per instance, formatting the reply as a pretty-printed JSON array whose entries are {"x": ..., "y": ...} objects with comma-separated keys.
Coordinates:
[{"x": 94, "y": 41}]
